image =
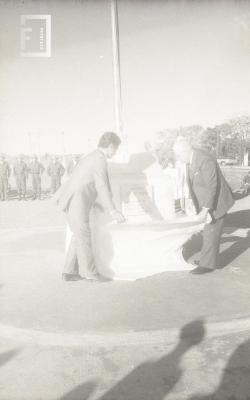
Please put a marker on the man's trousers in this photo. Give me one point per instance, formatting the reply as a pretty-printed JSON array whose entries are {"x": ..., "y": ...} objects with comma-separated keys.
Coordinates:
[
  {"x": 55, "y": 183},
  {"x": 36, "y": 185},
  {"x": 211, "y": 243},
  {"x": 79, "y": 257},
  {"x": 3, "y": 187},
  {"x": 21, "y": 184}
]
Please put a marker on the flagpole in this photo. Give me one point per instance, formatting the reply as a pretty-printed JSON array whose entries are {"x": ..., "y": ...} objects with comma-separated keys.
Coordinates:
[{"x": 117, "y": 73}]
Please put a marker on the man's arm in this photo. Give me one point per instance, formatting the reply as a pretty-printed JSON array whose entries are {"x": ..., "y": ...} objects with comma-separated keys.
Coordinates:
[
  {"x": 102, "y": 185},
  {"x": 49, "y": 170},
  {"x": 41, "y": 168},
  {"x": 62, "y": 170},
  {"x": 69, "y": 168},
  {"x": 209, "y": 173},
  {"x": 8, "y": 170},
  {"x": 26, "y": 170}
]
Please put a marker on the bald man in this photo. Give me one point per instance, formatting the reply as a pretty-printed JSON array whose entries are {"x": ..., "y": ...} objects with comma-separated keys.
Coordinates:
[{"x": 212, "y": 198}]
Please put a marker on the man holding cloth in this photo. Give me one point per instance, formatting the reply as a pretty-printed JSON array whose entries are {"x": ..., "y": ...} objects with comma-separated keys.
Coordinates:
[
  {"x": 77, "y": 197},
  {"x": 212, "y": 198}
]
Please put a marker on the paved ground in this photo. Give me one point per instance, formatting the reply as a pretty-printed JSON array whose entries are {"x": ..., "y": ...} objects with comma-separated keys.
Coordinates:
[
  {"x": 199, "y": 368},
  {"x": 80, "y": 341},
  {"x": 32, "y": 257}
]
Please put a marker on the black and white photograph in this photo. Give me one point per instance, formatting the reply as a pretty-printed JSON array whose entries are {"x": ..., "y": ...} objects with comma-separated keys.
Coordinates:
[{"x": 124, "y": 199}]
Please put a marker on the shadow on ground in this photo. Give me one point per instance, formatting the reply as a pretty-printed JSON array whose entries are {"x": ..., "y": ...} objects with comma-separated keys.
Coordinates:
[
  {"x": 235, "y": 382},
  {"x": 233, "y": 222},
  {"x": 151, "y": 380},
  {"x": 82, "y": 392},
  {"x": 155, "y": 380},
  {"x": 7, "y": 356},
  {"x": 239, "y": 195}
]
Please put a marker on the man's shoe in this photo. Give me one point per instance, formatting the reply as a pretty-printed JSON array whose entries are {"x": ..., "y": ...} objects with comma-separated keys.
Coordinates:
[
  {"x": 102, "y": 278},
  {"x": 72, "y": 277},
  {"x": 201, "y": 270},
  {"x": 98, "y": 278}
]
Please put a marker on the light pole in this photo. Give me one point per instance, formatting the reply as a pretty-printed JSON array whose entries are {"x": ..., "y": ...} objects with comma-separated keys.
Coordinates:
[
  {"x": 30, "y": 142},
  {"x": 117, "y": 72}
]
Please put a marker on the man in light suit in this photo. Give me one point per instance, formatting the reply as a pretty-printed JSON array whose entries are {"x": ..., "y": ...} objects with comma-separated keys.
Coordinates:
[
  {"x": 76, "y": 198},
  {"x": 212, "y": 198}
]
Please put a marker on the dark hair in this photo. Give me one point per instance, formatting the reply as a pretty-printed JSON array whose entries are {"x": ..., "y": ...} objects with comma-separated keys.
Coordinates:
[{"x": 109, "y": 138}]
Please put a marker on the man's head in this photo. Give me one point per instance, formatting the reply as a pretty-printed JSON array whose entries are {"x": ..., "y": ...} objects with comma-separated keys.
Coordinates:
[
  {"x": 34, "y": 157},
  {"x": 20, "y": 158},
  {"x": 54, "y": 159},
  {"x": 2, "y": 158},
  {"x": 109, "y": 143},
  {"x": 182, "y": 150}
]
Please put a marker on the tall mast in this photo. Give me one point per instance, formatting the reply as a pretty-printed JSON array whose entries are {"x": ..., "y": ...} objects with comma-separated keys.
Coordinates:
[{"x": 117, "y": 72}]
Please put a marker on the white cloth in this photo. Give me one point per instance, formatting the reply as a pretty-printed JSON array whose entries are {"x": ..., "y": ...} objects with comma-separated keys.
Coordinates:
[{"x": 134, "y": 251}]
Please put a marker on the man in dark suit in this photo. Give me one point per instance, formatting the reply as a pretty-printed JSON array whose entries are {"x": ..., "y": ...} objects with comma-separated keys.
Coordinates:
[
  {"x": 212, "y": 198},
  {"x": 76, "y": 198}
]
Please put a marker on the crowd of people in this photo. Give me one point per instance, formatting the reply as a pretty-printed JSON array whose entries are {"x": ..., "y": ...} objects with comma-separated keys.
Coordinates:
[{"x": 31, "y": 171}]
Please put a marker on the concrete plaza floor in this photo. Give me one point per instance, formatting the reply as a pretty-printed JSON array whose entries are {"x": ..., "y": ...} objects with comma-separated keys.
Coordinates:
[{"x": 82, "y": 340}]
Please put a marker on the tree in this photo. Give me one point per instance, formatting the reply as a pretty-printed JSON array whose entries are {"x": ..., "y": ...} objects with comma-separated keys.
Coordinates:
[{"x": 241, "y": 131}]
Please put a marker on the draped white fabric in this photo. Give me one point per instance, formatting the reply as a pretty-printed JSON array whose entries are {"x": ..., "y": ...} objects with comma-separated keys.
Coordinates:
[
  {"x": 132, "y": 251},
  {"x": 144, "y": 245}
]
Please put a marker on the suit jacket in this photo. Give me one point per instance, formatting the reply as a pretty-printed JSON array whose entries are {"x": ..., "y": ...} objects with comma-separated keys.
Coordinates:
[
  {"x": 5, "y": 170},
  {"x": 88, "y": 180},
  {"x": 55, "y": 169},
  {"x": 20, "y": 168},
  {"x": 36, "y": 167},
  {"x": 208, "y": 187}
]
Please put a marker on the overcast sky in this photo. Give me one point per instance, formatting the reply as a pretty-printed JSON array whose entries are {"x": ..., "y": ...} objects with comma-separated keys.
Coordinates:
[{"x": 182, "y": 63}]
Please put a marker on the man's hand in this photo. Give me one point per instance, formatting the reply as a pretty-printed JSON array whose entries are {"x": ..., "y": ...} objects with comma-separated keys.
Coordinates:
[
  {"x": 203, "y": 215},
  {"x": 118, "y": 216},
  {"x": 209, "y": 219},
  {"x": 98, "y": 207}
]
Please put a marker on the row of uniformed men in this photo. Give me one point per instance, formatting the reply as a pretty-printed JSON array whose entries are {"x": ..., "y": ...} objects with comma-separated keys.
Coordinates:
[{"x": 21, "y": 171}]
